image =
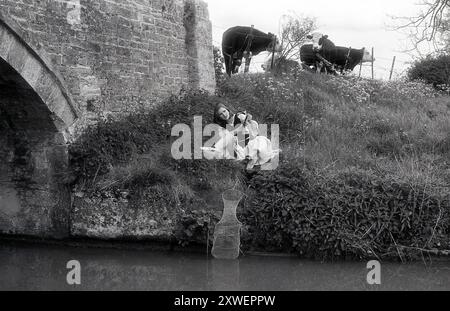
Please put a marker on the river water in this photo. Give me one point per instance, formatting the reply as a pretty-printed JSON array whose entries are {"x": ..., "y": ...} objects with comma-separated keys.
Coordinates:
[{"x": 43, "y": 267}]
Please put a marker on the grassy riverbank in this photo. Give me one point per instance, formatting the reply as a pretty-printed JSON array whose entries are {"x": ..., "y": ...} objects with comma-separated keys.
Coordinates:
[{"x": 364, "y": 170}]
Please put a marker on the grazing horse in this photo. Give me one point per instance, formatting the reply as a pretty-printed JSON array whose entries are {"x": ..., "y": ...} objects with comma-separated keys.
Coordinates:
[{"x": 236, "y": 41}]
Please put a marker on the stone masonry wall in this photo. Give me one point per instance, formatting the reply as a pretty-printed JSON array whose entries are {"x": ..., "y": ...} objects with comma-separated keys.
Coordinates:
[
  {"x": 116, "y": 56},
  {"x": 63, "y": 59}
]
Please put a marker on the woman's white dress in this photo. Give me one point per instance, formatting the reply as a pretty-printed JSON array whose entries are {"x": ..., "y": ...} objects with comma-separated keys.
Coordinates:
[{"x": 258, "y": 151}]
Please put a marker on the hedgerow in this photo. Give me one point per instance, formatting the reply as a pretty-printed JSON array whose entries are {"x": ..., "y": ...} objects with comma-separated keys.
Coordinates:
[{"x": 353, "y": 214}]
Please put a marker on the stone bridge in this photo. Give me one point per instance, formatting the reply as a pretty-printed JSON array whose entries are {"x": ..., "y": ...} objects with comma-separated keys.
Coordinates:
[{"x": 64, "y": 64}]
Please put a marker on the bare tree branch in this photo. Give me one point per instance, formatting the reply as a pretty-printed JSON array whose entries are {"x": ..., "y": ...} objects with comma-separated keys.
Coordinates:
[
  {"x": 294, "y": 30},
  {"x": 431, "y": 25}
]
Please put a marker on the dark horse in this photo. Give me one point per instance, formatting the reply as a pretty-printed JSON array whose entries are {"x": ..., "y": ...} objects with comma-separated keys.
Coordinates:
[{"x": 237, "y": 40}]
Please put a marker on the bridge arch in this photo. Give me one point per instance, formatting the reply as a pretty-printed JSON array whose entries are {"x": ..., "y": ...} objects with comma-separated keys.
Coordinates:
[
  {"x": 36, "y": 70},
  {"x": 35, "y": 109}
]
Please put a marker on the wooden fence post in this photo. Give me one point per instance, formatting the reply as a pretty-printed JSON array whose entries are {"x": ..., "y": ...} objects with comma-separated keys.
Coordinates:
[
  {"x": 360, "y": 64},
  {"x": 372, "y": 61},
  {"x": 392, "y": 69},
  {"x": 273, "y": 53}
]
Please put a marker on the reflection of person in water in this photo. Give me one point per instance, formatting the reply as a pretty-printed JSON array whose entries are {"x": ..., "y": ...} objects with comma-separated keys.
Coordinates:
[{"x": 240, "y": 123}]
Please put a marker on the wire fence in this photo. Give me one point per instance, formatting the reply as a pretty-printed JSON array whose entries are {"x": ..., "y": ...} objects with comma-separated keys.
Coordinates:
[{"x": 380, "y": 71}]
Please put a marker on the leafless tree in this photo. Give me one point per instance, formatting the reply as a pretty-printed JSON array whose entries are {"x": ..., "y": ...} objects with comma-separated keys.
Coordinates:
[
  {"x": 431, "y": 25},
  {"x": 294, "y": 30},
  {"x": 445, "y": 32}
]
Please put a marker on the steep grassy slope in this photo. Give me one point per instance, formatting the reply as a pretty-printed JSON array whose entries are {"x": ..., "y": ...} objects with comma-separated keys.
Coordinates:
[{"x": 365, "y": 167}]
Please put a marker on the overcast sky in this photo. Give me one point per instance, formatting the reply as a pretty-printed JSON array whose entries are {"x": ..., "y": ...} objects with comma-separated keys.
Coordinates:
[{"x": 355, "y": 23}]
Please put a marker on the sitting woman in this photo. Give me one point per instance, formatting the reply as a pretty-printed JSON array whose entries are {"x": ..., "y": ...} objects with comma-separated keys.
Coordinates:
[
  {"x": 240, "y": 139},
  {"x": 239, "y": 123}
]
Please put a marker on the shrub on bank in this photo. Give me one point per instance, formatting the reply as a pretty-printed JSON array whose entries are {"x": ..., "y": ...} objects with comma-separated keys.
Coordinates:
[
  {"x": 434, "y": 70},
  {"x": 117, "y": 141},
  {"x": 352, "y": 214}
]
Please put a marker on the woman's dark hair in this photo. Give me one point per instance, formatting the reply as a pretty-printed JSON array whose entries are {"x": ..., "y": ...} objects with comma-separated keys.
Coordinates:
[{"x": 217, "y": 119}]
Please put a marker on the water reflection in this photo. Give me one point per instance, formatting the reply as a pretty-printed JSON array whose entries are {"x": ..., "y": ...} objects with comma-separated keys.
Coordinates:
[
  {"x": 32, "y": 267},
  {"x": 224, "y": 275}
]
